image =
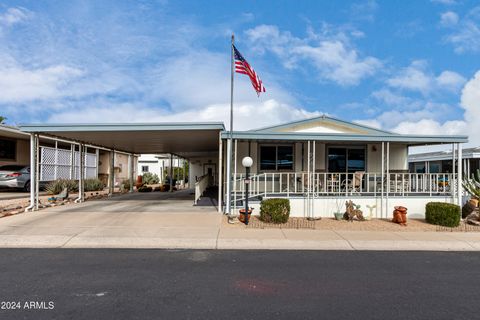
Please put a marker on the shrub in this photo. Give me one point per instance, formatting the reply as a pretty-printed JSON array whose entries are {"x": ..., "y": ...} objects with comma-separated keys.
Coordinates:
[
  {"x": 126, "y": 184},
  {"x": 57, "y": 186},
  {"x": 145, "y": 189},
  {"x": 150, "y": 178},
  {"x": 275, "y": 210},
  {"x": 93, "y": 185},
  {"x": 443, "y": 214}
]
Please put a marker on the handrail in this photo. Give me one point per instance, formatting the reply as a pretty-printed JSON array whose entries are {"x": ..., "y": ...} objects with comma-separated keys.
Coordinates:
[
  {"x": 345, "y": 184},
  {"x": 200, "y": 187}
]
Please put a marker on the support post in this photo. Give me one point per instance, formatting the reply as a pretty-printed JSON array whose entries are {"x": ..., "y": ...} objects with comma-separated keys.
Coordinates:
[
  {"x": 220, "y": 169},
  {"x": 171, "y": 173},
  {"x": 131, "y": 161},
  {"x": 382, "y": 185},
  {"x": 33, "y": 172},
  {"x": 459, "y": 175},
  {"x": 81, "y": 173},
  {"x": 97, "y": 157},
  {"x": 388, "y": 179},
  {"x": 235, "y": 176},
  {"x": 112, "y": 173},
  {"x": 453, "y": 173},
  {"x": 72, "y": 161}
]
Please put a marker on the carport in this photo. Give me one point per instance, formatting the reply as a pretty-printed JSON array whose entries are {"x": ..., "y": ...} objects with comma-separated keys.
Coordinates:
[{"x": 195, "y": 142}]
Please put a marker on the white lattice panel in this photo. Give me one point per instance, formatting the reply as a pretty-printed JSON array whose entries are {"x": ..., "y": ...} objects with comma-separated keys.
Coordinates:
[
  {"x": 64, "y": 157},
  {"x": 56, "y": 164}
]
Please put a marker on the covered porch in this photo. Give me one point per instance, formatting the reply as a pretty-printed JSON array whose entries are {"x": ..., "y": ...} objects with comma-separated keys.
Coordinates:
[{"x": 318, "y": 172}]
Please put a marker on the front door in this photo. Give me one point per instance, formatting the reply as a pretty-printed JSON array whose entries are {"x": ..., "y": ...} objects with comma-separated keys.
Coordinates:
[{"x": 210, "y": 170}]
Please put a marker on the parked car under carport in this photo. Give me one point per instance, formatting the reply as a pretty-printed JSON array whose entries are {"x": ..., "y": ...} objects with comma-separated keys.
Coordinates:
[{"x": 15, "y": 176}]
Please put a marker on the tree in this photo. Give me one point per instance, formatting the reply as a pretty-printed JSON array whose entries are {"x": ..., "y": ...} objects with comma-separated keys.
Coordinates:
[{"x": 2, "y": 119}]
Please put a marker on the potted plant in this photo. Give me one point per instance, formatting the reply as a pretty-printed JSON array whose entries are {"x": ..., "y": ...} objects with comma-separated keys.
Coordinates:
[{"x": 338, "y": 214}]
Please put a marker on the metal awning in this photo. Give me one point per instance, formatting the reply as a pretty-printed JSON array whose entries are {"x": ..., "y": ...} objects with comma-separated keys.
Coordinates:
[
  {"x": 344, "y": 137},
  {"x": 183, "y": 139}
]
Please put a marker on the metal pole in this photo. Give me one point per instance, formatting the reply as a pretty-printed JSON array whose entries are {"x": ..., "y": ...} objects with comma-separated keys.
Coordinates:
[
  {"x": 247, "y": 182},
  {"x": 220, "y": 167},
  {"x": 382, "y": 179},
  {"x": 131, "y": 169},
  {"x": 112, "y": 172},
  {"x": 72, "y": 161},
  {"x": 37, "y": 169},
  {"x": 229, "y": 143},
  {"x": 97, "y": 158},
  {"x": 171, "y": 173},
  {"x": 33, "y": 167},
  {"x": 459, "y": 175},
  {"x": 453, "y": 173},
  {"x": 388, "y": 179},
  {"x": 234, "y": 188}
]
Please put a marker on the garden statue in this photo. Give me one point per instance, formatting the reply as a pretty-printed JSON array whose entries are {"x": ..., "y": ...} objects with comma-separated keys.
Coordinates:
[{"x": 353, "y": 211}]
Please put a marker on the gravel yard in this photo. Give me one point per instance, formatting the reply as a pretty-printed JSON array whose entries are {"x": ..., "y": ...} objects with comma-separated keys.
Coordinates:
[{"x": 370, "y": 225}]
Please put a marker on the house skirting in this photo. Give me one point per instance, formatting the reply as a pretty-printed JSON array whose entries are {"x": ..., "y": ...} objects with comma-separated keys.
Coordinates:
[{"x": 324, "y": 207}]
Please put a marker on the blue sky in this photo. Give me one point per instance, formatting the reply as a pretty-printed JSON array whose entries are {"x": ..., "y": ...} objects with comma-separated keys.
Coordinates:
[{"x": 406, "y": 66}]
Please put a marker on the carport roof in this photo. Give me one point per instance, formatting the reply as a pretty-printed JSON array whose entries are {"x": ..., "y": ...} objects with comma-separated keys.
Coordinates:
[{"x": 184, "y": 139}]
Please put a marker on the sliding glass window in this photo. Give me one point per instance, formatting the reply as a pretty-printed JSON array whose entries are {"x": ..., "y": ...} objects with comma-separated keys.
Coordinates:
[
  {"x": 276, "y": 158},
  {"x": 346, "y": 159}
]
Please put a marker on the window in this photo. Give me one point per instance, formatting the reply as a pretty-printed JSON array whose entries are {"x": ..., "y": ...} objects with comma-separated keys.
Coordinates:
[
  {"x": 276, "y": 158},
  {"x": 144, "y": 168},
  {"x": 342, "y": 159},
  {"x": 8, "y": 149}
]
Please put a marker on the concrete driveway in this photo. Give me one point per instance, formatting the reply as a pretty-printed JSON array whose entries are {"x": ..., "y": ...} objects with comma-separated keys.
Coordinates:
[{"x": 141, "y": 219}]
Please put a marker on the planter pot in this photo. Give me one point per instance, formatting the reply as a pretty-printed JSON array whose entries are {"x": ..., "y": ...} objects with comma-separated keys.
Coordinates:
[
  {"x": 338, "y": 215},
  {"x": 242, "y": 215}
]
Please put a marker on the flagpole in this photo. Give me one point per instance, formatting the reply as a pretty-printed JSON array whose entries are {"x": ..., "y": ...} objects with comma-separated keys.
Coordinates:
[{"x": 230, "y": 138}]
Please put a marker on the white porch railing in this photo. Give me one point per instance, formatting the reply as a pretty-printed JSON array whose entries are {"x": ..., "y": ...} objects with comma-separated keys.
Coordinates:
[
  {"x": 200, "y": 187},
  {"x": 339, "y": 184}
]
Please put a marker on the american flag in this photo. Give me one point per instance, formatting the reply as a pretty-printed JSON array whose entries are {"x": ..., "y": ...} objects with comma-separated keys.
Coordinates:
[{"x": 242, "y": 66}]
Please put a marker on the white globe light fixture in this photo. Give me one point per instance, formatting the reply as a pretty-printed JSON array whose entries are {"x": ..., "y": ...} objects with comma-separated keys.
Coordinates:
[{"x": 247, "y": 162}]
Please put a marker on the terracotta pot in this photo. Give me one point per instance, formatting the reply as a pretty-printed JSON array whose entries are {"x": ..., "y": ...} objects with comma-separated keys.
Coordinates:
[
  {"x": 242, "y": 215},
  {"x": 474, "y": 202},
  {"x": 397, "y": 217}
]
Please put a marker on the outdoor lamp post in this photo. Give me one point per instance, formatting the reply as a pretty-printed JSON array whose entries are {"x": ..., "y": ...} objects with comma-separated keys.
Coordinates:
[{"x": 247, "y": 163}]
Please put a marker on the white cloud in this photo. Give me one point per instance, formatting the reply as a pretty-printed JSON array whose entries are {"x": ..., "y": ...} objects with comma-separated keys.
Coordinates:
[
  {"x": 423, "y": 122},
  {"x": 417, "y": 77},
  {"x": 448, "y": 19},
  {"x": 465, "y": 36},
  {"x": 14, "y": 15},
  {"x": 20, "y": 84},
  {"x": 446, "y": 2},
  {"x": 333, "y": 57},
  {"x": 450, "y": 80},
  {"x": 246, "y": 115}
]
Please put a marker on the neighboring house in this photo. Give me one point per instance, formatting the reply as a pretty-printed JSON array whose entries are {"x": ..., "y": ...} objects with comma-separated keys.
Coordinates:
[
  {"x": 320, "y": 163},
  {"x": 159, "y": 164},
  {"x": 441, "y": 161}
]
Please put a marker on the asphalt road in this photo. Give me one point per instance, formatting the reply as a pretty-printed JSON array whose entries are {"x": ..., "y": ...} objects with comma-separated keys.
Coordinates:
[{"x": 185, "y": 284}]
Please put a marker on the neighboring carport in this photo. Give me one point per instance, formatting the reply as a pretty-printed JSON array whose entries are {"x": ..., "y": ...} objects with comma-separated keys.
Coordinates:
[{"x": 186, "y": 140}]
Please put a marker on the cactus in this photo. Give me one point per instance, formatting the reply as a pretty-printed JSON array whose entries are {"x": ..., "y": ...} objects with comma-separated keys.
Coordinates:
[{"x": 472, "y": 186}]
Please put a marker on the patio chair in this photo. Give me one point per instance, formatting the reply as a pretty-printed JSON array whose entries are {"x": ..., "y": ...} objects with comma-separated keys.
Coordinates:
[{"x": 355, "y": 184}]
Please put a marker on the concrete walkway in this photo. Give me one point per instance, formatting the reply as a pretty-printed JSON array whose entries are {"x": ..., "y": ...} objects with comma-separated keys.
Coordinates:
[{"x": 115, "y": 224}]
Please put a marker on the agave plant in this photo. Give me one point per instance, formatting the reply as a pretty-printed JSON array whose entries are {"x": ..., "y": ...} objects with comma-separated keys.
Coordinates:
[{"x": 472, "y": 186}]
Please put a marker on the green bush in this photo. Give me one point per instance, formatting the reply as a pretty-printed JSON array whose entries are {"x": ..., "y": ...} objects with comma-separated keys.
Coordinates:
[
  {"x": 275, "y": 210},
  {"x": 443, "y": 214},
  {"x": 126, "y": 184},
  {"x": 57, "y": 186},
  {"x": 93, "y": 184},
  {"x": 150, "y": 178},
  {"x": 145, "y": 189}
]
